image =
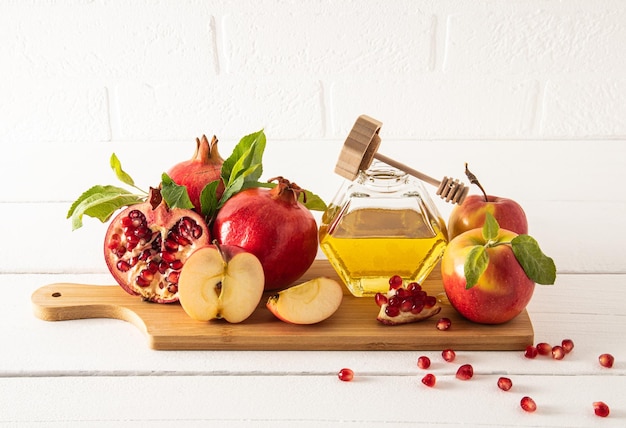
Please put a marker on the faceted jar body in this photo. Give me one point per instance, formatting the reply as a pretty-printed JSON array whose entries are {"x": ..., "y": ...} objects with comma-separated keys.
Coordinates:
[{"x": 382, "y": 224}]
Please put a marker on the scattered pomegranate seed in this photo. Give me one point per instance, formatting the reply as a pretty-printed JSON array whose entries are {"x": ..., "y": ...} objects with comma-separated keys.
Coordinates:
[
  {"x": 444, "y": 324},
  {"x": 530, "y": 352},
  {"x": 601, "y": 409},
  {"x": 544, "y": 348},
  {"x": 568, "y": 345},
  {"x": 504, "y": 383},
  {"x": 528, "y": 404},
  {"x": 558, "y": 353},
  {"x": 423, "y": 362},
  {"x": 429, "y": 380},
  {"x": 448, "y": 354},
  {"x": 606, "y": 360},
  {"x": 345, "y": 375},
  {"x": 465, "y": 372}
]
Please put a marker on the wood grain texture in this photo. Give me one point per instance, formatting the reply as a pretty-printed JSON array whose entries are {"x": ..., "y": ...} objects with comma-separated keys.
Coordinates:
[{"x": 352, "y": 327}]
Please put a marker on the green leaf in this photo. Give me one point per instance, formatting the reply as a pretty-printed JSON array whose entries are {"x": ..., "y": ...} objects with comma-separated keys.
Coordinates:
[
  {"x": 475, "y": 264},
  {"x": 208, "y": 199},
  {"x": 314, "y": 202},
  {"x": 116, "y": 165},
  {"x": 490, "y": 227},
  {"x": 175, "y": 196},
  {"x": 539, "y": 267},
  {"x": 101, "y": 202},
  {"x": 246, "y": 159}
]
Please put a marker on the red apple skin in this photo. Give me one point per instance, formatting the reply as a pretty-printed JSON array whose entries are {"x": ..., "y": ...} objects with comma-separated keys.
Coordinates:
[
  {"x": 471, "y": 215},
  {"x": 502, "y": 291}
]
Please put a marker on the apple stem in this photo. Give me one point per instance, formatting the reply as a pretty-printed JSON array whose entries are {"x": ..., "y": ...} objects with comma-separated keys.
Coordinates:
[
  {"x": 472, "y": 178},
  {"x": 219, "y": 249}
]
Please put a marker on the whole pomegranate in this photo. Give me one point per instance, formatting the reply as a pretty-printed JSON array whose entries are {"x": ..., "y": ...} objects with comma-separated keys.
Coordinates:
[
  {"x": 272, "y": 225},
  {"x": 147, "y": 244},
  {"x": 204, "y": 167}
]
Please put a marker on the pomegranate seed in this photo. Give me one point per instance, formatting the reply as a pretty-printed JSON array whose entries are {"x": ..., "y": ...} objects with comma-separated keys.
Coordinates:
[
  {"x": 465, "y": 372},
  {"x": 530, "y": 352},
  {"x": 558, "y": 353},
  {"x": 395, "y": 282},
  {"x": 406, "y": 305},
  {"x": 417, "y": 307},
  {"x": 544, "y": 348},
  {"x": 430, "y": 301},
  {"x": 414, "y": 287},
  {"x": 123, "y": 266},
  {"x": 606, "y": 360},
  {"x": 429, "y": 380},
  {"x": 504, "y": 383},
  {"x": 568, "y": 345},
  {"x": 380, "y": 299},
  {"x": 528, "y": 404},
  {"x": 392, "y": 311},
  {"x": 601, "y": 409},
  {"x": 443, "y": 324},
  {"x": 448, "y": 354},
  {"x": 345, "y": 375},
  {"x": 423, "y": 362}
]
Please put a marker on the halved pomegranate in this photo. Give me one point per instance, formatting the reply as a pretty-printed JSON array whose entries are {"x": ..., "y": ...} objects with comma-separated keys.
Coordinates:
[{"x": 146, "y": 246}]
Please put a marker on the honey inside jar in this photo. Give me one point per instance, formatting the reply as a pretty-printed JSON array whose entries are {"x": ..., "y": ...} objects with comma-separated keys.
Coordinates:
[{"x": 383, "y": 226}]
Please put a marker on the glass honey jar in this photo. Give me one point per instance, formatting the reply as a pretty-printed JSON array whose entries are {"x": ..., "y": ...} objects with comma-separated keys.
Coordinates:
[{"x": 383, "y": 223}]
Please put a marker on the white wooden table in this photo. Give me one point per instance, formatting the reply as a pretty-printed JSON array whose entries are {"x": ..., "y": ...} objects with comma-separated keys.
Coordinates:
[{"x": 101, "y": 372}]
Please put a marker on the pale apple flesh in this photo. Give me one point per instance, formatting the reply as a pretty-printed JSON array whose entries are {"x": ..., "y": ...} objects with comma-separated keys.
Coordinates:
[
  {"x": 221, "y": 284},
  {"x": 308, "y": 303}
]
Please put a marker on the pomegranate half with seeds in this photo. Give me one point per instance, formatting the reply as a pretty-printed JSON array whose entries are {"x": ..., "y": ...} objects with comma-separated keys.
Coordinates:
[{"x": 147, "y": 244}]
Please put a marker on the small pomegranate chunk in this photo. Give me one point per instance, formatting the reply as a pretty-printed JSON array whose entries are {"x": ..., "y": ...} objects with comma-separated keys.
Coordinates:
[
  {"x": 530, "y": 352},
  {"x": 558, "y": 353},
  {"x": 429, "y": 380},
  {"x": 567, "y": 345},
  {"x": 528, "y": 404},
  {"x": 405, "y": 304},
  {"x": 544, "y": 348},
  {"x": 345, "y": 375},
  {"x": 504, "y": 383},
  {"x": 465, "y": 372},
  {"x": 423, "y": 362},
  {"x": 443, "y": 324},
  {"x": 601, "y": 409},
  {"x": 145, "y": 248},
  {"x": 606, "y": 360}
]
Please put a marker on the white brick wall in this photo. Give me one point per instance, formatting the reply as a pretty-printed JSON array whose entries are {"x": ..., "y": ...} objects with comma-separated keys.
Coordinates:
[{"x": 531, "y": 93}]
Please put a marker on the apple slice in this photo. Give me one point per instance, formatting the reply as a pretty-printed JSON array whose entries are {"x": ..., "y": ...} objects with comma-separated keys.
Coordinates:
[
  {"x": 307, "y": 303},
  {"x": 221, "y": 282}
]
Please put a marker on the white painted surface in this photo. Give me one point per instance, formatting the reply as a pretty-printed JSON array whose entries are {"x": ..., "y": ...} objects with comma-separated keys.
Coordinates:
[{"x": 532, "y": 94}]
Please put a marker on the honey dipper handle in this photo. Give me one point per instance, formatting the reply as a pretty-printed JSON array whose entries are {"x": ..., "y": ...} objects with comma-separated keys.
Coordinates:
[{"x": 415, "y": 173}]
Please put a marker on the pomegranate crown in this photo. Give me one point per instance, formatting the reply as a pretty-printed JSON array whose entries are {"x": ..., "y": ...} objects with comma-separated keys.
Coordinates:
[{"x": 287, "y": 190}]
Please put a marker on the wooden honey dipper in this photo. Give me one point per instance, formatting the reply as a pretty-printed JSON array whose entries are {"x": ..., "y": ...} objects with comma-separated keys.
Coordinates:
[{"x": 361, "y": 148}]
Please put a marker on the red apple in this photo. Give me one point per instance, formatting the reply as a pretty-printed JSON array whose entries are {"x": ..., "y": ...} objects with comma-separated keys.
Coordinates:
[
  {"x": 489, "y": 274},
  {"x": 471, "y": 215}
]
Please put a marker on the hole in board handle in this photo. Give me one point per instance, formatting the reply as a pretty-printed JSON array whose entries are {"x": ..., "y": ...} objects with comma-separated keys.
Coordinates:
[{"x": 56, "y": 294}]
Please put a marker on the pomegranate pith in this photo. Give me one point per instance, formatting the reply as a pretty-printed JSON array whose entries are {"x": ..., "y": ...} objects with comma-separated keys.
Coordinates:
[{"x": 145, "y": 248}]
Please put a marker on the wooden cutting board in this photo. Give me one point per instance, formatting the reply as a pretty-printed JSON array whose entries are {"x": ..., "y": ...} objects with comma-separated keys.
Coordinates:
[{"x": 352, "y": 327}]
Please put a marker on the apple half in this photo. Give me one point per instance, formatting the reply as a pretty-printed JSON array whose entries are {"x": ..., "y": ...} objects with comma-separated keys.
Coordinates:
[
  {"x": 307, "y": 303},
  {"x": 221, "y": 282}
]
